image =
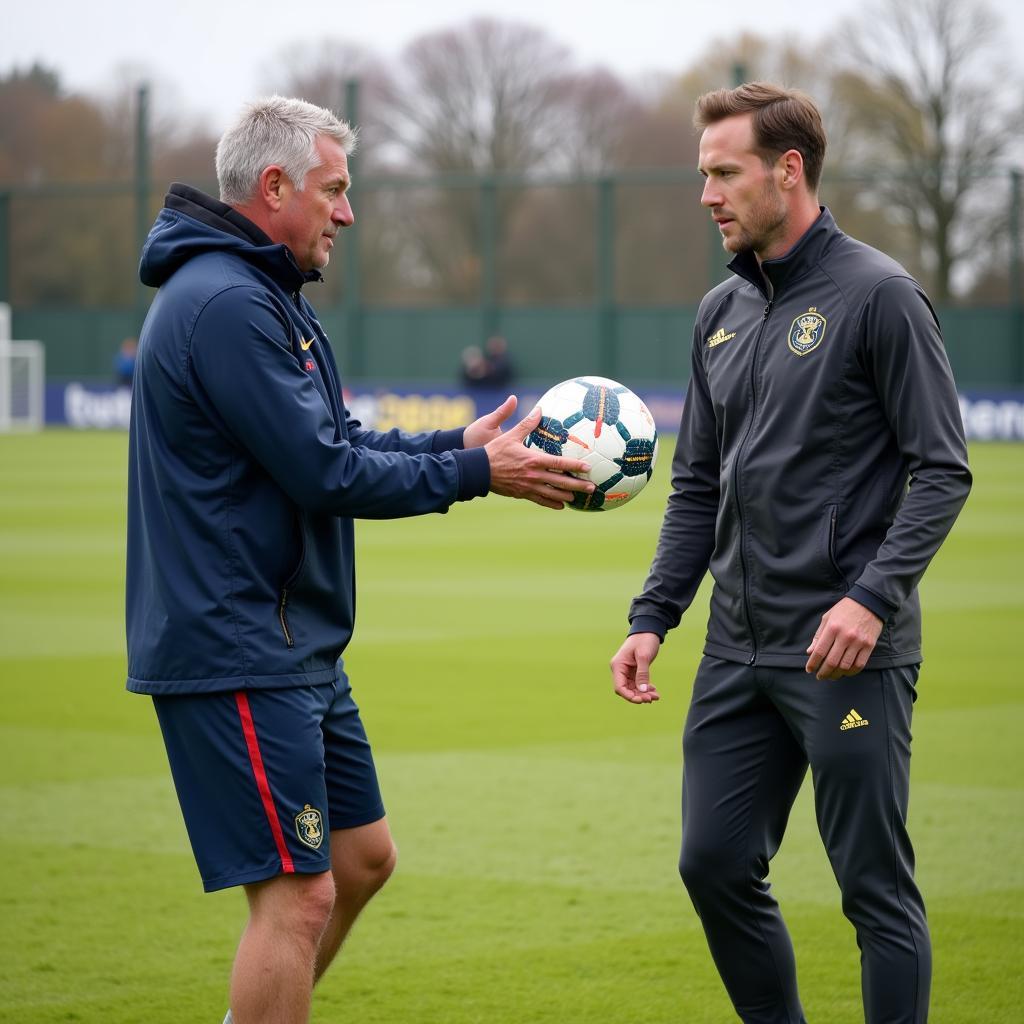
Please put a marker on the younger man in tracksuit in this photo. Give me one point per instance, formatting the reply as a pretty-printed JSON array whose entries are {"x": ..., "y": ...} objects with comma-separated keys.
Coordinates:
[{"x": 820, "y": 389}]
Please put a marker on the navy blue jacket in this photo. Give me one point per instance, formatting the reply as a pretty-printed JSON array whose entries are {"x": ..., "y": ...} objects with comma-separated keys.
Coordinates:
[{"x": 246, "y": 471}]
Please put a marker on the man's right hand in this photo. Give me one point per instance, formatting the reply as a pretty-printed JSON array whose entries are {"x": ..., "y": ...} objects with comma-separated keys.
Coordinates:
[
  {"x": 631, "y": 668},
  {"x": 521, "y": 472}
]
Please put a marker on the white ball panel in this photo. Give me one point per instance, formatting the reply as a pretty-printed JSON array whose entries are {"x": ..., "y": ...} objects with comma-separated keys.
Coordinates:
[{"x": 565, "y": 402}]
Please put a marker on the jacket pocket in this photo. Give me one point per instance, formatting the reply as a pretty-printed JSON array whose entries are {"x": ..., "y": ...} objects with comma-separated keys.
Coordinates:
[
  {"x": 289, "y": 587},
  {"x": 833, "y": 530}
]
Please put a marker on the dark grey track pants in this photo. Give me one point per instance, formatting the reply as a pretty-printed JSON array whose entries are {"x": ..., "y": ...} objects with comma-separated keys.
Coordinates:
[{"x": 750, "y": 735}]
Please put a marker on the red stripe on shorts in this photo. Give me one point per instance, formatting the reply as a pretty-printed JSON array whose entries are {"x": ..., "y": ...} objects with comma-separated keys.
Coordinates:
[{"x": 256, "y": 760}]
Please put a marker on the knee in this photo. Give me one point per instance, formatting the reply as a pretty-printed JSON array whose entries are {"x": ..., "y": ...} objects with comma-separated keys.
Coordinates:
[
  {"x": 315, "y": 904},
  {"x": 365, "y": 872},
  {"x": 379, "y": 868},
  {"x": 700, "y": 867},
  {"x": 708, "y": 870}
]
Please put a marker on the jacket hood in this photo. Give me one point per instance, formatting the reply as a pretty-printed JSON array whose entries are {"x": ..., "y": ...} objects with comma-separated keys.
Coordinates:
[{"x": 193, "y": 223}]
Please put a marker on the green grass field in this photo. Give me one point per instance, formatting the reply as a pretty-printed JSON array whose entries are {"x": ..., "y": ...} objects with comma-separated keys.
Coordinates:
[{"x": 536, "y": 814}]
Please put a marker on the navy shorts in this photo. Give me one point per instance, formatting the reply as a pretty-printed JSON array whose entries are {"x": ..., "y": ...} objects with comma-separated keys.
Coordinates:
[{"x": 263, "y": 776}]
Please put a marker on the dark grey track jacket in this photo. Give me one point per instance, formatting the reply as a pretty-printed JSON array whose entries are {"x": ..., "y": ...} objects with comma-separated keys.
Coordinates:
[{"x": 814, "y": 400}]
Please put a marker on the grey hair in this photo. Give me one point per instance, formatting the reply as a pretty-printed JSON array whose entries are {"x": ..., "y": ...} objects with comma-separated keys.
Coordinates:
[{"x": 279, "y": 131}]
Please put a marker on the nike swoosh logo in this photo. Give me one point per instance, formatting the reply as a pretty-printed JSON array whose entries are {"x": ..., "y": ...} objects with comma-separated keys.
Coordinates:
[{"x": 305, "y": 344}]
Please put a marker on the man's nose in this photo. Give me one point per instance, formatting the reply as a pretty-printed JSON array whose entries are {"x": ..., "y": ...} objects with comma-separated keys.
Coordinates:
[
  {"x": 342, "y": 213},
  {"x": 711, "y": 196}
]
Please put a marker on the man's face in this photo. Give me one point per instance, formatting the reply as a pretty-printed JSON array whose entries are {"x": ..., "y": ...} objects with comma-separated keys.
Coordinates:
[
  {"x": 309, "y": 221},
  {"x": 739, "y": 190}
]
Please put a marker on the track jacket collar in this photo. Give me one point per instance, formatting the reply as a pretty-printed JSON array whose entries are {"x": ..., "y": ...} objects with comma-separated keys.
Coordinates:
[{"x": 803, "y": 257}]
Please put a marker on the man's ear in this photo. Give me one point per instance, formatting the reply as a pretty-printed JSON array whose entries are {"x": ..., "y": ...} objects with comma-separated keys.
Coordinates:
[
  {"x": 791, "y": 169},
  {"x": 273, "y": 182}
]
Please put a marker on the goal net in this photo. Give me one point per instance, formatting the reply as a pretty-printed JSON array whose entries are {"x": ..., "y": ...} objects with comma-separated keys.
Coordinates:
[{"x": 22, "y": 379}]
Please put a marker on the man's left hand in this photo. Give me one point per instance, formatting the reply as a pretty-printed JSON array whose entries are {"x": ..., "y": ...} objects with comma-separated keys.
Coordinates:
[
  {"x": 488, "y": 427},
  {"x": 844, "y": 640}
]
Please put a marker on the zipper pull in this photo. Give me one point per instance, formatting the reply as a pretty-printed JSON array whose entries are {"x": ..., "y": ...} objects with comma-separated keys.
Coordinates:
[{"x": 767, "y": 310}]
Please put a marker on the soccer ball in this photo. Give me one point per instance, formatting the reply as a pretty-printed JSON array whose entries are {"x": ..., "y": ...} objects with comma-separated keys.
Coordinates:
[{"x": 608, "y": 427}]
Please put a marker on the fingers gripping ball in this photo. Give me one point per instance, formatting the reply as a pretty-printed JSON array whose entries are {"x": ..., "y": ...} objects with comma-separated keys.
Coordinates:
[{"x": 605, "y": 425}]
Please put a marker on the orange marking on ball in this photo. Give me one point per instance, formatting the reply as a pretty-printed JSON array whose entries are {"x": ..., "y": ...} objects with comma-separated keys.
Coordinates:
[{"x": 600, "y": 413}]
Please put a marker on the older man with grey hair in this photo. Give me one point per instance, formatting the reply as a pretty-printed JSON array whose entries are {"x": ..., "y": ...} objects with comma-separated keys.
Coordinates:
[{"x": 246, "y": 473}]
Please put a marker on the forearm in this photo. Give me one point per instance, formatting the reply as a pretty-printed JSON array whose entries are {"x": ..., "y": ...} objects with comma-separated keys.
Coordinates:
[
  {"x": 427, "y": 442},
  {"x": 922, "y": 524},
  {"x": 680, "y": 564},
  {"x": 685, "y": 543}
]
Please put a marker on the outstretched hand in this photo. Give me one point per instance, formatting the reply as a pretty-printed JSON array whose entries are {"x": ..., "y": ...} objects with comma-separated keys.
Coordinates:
[
  {"x": 631, "y": 668},
  {"x": 521, "y": 472},
  {"x": 488, "y": 427}
]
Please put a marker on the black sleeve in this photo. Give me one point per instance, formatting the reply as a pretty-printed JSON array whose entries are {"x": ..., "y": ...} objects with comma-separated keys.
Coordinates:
[
  {"x": 687, "y": 536},
  {"x": 903, "y": 353}
]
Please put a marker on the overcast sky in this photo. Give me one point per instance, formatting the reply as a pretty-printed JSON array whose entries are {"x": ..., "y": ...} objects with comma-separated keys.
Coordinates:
[{"x": 213, "y": 53}]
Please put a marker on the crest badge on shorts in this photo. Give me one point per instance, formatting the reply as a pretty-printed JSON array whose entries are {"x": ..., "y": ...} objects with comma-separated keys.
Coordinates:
[
  {"x": 309, "y": 826},
  {"x": 807, "y": 332}
]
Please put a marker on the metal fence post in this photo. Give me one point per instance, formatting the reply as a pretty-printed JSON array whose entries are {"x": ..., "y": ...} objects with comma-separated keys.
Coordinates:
[
  {"x": 142, "y": 190},
  {"x": 489, "y": 255},
  {"x": 1017, "y": 267},
  {"x": 352, "y": 298},
  {"x": 608, "y": 341},
  {"x": 5, "y": 246}
]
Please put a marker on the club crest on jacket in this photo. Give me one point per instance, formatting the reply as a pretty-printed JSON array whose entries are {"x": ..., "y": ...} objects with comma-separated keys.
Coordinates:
[{"x": 807, "y": 332}]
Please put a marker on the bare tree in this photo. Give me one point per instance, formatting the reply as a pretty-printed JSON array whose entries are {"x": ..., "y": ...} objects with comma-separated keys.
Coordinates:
[
  {"x": 321, "y": 75},
  {"x": 548, "y": 252},
  {"x": 595, "y": 110},
  {"x": 928, "y": 93},
  {"x": 48, "y": 136},
  {"x": 480, "y": 98},
  {"x": 485, "y": 98}
]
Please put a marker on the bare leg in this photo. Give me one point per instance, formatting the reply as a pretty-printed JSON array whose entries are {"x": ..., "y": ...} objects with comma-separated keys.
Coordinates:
[
  {"x": 272, "y": 978},
  {"x": 362, "y": 860}
]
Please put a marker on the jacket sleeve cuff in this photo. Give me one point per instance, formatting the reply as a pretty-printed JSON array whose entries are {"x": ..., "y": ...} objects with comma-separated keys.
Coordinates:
[
  {"x": 871, "y": 601},
  {"x": 648, "y": 624},
  {"x": 474, "y": 473},
  {"x": 448, "y": 441}
]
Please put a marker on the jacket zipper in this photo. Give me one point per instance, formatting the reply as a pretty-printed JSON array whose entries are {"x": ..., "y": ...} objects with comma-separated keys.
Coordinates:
[
  {"x": 282, "y": 605},
  {"x": 736, "y": 485}
]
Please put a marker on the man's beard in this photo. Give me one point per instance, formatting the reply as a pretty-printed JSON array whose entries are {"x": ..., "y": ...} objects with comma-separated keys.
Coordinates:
[{"x": 764, "y": 223}]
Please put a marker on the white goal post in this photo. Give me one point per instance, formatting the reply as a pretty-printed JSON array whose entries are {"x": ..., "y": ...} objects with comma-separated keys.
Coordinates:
[{"x": 22, "y": 379}]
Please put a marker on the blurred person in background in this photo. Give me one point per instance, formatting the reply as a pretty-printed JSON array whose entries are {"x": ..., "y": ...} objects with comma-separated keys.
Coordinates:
[
  {"x": 820, "y": 390},
  {"x": 488, "y": 367},
  {"x": 472, "y": 367},
  {"x": 245, "y": 475},
  {"x": 500, "y": 371},
  {"x": 124, "y": 362}
]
